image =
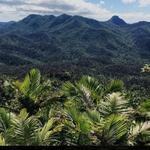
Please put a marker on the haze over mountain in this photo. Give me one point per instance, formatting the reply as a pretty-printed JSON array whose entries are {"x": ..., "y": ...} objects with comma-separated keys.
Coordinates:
[{"x": 74, "y": 44}]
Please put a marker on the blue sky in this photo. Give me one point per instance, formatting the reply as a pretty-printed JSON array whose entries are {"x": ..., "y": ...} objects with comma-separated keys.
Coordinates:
[
  {"x": 129, "y": 10},
  {"x": 124, "y": 6}
]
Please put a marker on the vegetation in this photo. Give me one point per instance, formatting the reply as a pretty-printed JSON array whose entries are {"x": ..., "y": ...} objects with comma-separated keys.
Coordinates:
[
  {"x": 67, "y": 47},
  {"x": 39, "y": 111},
  {"x": 64, "y": 107},
  {"x": 146, "y": 68},
  {"x": 76, "y": 45}
]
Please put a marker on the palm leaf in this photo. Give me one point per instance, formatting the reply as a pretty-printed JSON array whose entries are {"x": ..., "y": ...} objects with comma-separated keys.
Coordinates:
[
  {"x": 115, "y": 86},
  {"x": 46, "y": 133},
  {"x": 114, "y": 103},
  {"x": 5, "y": 120},
  {"x": 2, "y": 141},
  {"x": 23, "y": 130},
  {"x": 114, "y": 128},
  {"x": 31, "y": 87}
]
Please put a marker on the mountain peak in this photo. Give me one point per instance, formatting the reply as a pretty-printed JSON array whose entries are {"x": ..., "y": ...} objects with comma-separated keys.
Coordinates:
[
  {"x": 117, "y": 21},
  {"x": 30, "y": 17},
  {"x": 64, "y": 16}
]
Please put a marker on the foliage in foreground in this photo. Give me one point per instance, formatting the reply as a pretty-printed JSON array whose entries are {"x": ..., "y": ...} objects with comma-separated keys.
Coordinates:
[{"x": 84, "y": 112}]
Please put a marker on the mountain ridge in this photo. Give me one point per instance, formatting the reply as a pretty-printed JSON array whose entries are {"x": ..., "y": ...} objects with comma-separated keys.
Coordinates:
[
  {"x": 74, "y": 41},
  {"x": 114, "y": 16}
]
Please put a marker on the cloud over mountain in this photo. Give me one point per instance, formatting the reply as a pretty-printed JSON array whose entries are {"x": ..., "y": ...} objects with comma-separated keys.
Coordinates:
[
  {"x": 57, "y": 7},
  {"x": 17, "y": 9}
]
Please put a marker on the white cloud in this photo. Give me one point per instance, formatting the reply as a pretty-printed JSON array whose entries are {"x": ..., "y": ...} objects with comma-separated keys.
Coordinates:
[
  {"x": 129, "y": 1},
  {"x": 135, "y": 16},
  {"x": 17, "y": 9},
  {"x": 72, "y": 7},
  {"x": 144, "y": 3}
]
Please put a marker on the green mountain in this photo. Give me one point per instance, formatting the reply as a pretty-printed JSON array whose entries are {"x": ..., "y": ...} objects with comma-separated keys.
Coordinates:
[{"x": 74, "y": 44}]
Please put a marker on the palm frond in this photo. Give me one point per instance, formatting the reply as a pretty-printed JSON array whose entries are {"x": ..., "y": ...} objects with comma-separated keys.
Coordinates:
[
  {"x": 23, "y": 130},
  {"x": 31, "y": 86},
  {"x": 139, "y": 128},
  {"x": 45, "y": 133},
  {"x": 93, "y": 85},
  {"x": 80, "y": 120},
  {"x": 114, "y": 128},
  {"x": 115, "y": 86},
  {"x": 87, "y": 90},
  {"x": 2, "y": 141},
  {"x": 113, "y": 104},
  {"x": 94, "y": 116},
  {"x": 69, "y": 90},
  {"x": 5, "y": 120}
]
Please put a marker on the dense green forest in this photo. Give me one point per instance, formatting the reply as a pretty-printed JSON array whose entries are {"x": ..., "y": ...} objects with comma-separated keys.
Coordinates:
[
  {"x": 38, "y": 110},
  {"x": 75, "y": 44},
  {"x": 65, "y": 48}
]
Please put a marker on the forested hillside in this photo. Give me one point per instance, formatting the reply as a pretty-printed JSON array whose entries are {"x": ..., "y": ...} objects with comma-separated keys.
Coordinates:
[
  {"x": 74, "y": 43},
  {"x": 68, "y": 47}
]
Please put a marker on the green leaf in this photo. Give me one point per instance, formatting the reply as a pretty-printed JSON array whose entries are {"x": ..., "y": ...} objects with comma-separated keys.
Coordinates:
[{"x": 114, "y": 128}]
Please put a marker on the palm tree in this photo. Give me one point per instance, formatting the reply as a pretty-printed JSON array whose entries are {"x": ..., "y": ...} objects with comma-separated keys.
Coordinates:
[
  {"x": 89, "y": 91},
  {"x": 106, "y": 112},
  {"x": 115, "y": 103},
  {"x": 79, "y": 127},
  {"x": 25, "y": 130},
  {"x": 114, "y": 130},
  {"x": 31, "y": 90},
  {"x": 139, "y": 133},
  {"x": 90, "y": 127}
]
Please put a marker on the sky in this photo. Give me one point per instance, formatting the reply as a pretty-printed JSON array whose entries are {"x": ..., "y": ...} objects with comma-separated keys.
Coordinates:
[{"x": 102, "y": 10}]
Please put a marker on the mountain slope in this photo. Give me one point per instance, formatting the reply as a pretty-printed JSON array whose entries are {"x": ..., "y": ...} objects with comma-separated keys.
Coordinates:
[{"x": 75, "y": 44}]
